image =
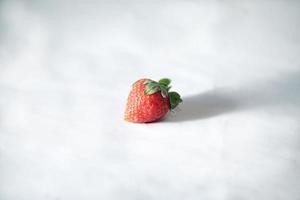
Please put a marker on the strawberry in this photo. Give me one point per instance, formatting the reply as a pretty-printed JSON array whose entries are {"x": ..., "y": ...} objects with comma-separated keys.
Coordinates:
[{"x": 150, "y": 101}]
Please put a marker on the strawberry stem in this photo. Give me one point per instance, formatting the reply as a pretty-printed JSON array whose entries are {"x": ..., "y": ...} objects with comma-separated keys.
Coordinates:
[{"x": 163, "y": 86}]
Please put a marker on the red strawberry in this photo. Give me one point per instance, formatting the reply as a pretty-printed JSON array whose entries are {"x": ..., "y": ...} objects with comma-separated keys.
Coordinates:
[{"x": 150, "y": 101}]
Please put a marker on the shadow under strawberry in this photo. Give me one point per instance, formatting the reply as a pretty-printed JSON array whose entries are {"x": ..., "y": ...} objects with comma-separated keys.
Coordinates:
[
  {"x": 280, "y": 94},
  {"x": 201, "y": 106}
]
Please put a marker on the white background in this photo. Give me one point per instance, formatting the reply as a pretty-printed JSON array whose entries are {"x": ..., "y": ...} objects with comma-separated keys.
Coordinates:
[{"x": 66, "y": 68}]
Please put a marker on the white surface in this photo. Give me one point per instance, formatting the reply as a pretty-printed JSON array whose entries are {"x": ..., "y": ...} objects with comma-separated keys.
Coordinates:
[{"x": 66, "y": 69}]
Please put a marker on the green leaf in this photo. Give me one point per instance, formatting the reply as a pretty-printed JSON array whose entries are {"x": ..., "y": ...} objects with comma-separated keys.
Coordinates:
[
  {"x": 175, "y": 99},
  {"x": 164, "y": 92},
  {"x": 164, "y": 82},
  {"x": 152, "y": 88},
  {"x": 148, "y": 81}
]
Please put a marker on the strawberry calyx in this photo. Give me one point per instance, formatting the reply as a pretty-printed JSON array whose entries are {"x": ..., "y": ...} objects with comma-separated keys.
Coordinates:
[{"x": 163, "y": 86}]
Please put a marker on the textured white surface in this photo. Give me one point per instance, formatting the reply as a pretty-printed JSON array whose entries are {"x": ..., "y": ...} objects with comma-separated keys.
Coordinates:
[{"x": 65, "y": 71}]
